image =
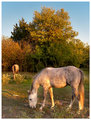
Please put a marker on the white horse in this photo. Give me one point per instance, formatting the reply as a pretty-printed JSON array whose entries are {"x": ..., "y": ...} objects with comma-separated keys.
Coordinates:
[{"x": 58, "y": 78}]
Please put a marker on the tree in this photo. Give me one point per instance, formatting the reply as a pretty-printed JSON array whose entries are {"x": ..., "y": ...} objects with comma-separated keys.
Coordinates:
[
  {"x": 86, "y": 57},
  {"x": 52, "y": 26},
  {"x": 51, "y": 40},
  {"x": 21, "y": 33},
  {"x": 11, "y": 53},
  {"x": 47, "y": 25}
]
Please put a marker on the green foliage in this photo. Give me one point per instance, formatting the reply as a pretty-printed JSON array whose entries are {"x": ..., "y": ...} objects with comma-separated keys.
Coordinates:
[
  {"x": 86, "y": 57},
  {"x": 21, "y": 33}
]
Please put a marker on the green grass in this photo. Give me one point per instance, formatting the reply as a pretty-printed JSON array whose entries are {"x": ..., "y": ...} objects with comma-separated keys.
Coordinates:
[{"x": 15, "y": 101}]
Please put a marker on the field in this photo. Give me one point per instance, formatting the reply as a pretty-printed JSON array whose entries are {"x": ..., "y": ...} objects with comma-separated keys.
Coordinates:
[{"x": 15, "y": 100}]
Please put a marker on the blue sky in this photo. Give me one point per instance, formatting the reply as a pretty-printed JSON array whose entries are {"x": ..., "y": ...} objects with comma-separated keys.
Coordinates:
[{"x": 78, "y": 12}]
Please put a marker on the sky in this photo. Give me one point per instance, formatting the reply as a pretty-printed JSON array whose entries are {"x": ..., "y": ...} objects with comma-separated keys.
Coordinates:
[{"x": 79, "y": 14}]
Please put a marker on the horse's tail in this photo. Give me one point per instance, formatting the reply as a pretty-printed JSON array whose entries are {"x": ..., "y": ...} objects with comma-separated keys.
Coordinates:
[
  {"x": 13, "y": 69},
  {"x": 81, "y": 92}
]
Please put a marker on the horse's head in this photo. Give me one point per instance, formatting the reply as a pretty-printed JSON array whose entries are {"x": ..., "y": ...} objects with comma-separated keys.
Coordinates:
[{"x": 32, "y": 98}]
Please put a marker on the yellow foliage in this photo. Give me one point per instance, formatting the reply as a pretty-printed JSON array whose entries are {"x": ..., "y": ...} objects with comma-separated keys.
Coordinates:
[
  {"x": 5, "y": 78},
  {"x": 10, "y": 52},
  {"x": 19, "y": 78}
]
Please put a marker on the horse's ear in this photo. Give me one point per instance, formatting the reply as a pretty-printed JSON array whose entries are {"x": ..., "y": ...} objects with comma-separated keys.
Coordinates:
[{"x": 28, "y": 91}]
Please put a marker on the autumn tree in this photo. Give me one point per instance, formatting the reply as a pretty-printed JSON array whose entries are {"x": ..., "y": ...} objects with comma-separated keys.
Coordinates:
[
  {"x": 52, "y": 26},
  {"x": 11, "y": 53},
  {"x": 46, "y": 26}
]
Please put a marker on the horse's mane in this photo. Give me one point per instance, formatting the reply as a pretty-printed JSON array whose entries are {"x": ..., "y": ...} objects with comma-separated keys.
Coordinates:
[{"x": 35, "y": 77}]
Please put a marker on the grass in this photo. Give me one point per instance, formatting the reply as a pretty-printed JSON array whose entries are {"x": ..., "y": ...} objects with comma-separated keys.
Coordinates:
[{"x": 15, "y": 101}]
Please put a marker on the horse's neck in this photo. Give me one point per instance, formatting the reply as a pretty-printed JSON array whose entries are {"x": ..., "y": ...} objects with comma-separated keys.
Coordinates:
[{"x": 35, "y": 86}]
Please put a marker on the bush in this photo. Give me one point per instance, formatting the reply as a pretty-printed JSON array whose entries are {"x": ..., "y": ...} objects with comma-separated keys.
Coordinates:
[
  {"x": 11, "y": 54},
  {"x": 6, "y": 78},
  {"x": 19, "y": 78}
]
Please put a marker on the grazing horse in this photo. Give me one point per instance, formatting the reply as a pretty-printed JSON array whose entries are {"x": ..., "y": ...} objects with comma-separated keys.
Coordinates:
[
  {"x": 58, "y": 78},
  {"x": 15, "y": 69}
]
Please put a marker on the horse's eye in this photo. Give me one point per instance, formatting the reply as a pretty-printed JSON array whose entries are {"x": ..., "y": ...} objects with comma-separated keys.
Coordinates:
[{"x": 30, "y": 99}]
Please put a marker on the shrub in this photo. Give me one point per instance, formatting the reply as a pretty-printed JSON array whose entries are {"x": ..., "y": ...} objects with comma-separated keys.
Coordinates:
[
  {"x": 6, "y": 78},
  {"x": 11, "y": 53},
  {"x": 19, "y": 78}
]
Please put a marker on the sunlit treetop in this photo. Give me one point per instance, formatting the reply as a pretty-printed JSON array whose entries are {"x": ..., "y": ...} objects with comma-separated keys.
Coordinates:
[{"x": 47, "y": 25}]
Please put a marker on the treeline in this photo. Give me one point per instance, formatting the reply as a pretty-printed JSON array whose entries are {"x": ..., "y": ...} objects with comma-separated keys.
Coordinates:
[{"x": 49, "y": 40}]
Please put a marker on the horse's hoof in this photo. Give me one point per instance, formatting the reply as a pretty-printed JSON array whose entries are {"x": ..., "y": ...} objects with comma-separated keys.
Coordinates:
[
  {"x": 52, "y": 107},
  {"x": 79, "y": 111},
  {"x": 40, "y": 108},
  {"x": 68, "y": 109}
]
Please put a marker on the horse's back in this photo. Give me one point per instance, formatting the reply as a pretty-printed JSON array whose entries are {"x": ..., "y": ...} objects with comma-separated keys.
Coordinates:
[
  {"x": 15, "y": 68},
  {"x": 59, "y": 77},
  {"x": 52, "y": 77}
]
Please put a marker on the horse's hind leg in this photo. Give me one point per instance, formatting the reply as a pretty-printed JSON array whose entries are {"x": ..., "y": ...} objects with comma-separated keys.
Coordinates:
[
  {"x": 74, "y": 95},
  {"x": 51, "y": 96},
  {"x": 14, "y": 76},
  {"x": 72, "y": 100}
]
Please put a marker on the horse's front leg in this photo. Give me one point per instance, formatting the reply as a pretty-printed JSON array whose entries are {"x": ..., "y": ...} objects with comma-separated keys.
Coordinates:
[
  {"x": 45, "y": 94},
  {"x": 51, "y": 96}
]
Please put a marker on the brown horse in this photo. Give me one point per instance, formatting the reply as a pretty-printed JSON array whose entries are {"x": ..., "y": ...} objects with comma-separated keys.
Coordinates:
[
  {"x": 15, "y": 69},
  {"x": 58, "y": 78}
]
